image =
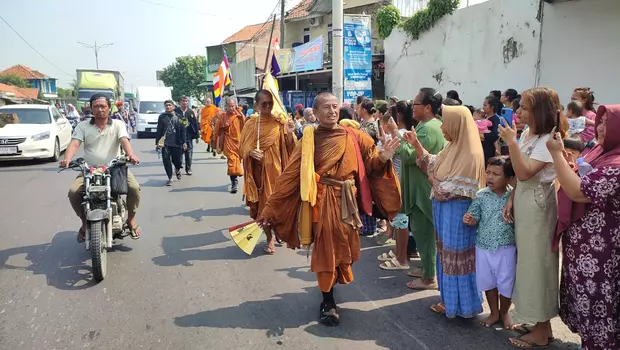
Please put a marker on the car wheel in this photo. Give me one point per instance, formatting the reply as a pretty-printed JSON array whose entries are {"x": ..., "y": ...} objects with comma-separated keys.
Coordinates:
[{"x": 56, "y": 155}]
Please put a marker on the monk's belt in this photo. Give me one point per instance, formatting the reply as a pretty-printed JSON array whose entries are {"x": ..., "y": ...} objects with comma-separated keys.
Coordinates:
[{"x": 349, "y": 210}]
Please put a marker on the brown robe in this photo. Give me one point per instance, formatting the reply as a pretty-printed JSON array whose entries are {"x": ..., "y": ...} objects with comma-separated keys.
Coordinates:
[
  {"x": 260, "y": 177},
  {"x": 336, "y": 244},
  {"x": 206, "y": 116},
  {"x": 227, "y": 130}
]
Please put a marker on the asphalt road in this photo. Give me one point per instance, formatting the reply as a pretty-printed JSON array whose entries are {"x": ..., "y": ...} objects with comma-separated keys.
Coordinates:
[{"x": 185, "y": 285}]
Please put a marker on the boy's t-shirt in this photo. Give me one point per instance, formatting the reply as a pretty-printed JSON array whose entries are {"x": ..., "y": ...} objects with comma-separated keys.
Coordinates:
[{"x": 493, "y": 231}]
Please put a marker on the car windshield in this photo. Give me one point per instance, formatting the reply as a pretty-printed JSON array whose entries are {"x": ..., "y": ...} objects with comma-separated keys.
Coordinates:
[
  {"x": 24, "y": 116},
  {"x": 147, "y": 107},
  {"x": 85, "y": 95}
]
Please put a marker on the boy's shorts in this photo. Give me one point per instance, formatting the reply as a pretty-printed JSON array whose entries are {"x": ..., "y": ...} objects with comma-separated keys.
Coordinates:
[{"x": 496, "y": 269}]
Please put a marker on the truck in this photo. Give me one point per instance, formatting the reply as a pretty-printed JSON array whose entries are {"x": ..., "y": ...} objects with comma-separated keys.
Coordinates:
[
  {"x": 107, "y": 82},
  {"x": 150, "y": 101}
]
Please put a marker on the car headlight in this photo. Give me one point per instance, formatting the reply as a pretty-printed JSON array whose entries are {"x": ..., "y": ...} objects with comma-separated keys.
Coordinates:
[
  {"x": 142, "y": 120},
  {"x": 41, "y": 136}
]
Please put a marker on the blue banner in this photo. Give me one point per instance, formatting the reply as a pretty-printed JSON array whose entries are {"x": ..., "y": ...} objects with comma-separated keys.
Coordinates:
[
  {"x": 357, "y": 57},
  {"x": 308, "y": 56}
]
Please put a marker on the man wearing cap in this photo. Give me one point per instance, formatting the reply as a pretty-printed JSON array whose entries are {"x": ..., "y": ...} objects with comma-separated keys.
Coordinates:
[
  {"x": 171, "y": 139},
  {"x": 103, "y": 139},
  {"x": 189, "y": 121}
]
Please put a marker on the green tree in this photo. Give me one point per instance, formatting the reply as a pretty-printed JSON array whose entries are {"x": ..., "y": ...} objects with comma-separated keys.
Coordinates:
[
  {"x": 184, "y": 75},
  {"x": 74, "y": 87},
  {"x": 12, "y": 79},
  {"x": 65, "y": 92}
]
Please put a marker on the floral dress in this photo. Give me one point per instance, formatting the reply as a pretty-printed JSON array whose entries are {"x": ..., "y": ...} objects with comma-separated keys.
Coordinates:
[{"x": 590, "y": 286}]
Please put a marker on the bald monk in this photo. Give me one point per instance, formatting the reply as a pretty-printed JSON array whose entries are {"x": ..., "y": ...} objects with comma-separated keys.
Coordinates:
[
  {"x": 228, "y": 134},
  {"x": 331, "y": 170},
  {"x": 263, "y": 165},
  {"x": 206, "y": 116}
]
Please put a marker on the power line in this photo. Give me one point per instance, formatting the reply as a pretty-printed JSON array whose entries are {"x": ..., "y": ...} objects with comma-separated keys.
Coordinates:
[{"x": 32, "y": 47}]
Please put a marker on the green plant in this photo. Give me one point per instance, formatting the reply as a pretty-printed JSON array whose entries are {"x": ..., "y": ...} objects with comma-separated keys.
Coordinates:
[
  {"x": 388, "y": 17},
  {"x": 420, "y": 22},
  {"x": 15, "y": 80}
]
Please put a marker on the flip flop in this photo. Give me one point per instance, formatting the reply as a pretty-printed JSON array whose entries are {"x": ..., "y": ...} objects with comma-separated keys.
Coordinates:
[
  {"x": 529, "y": 344},
  {"x": 419, "y": 285},
  {"x": 488, "y": 325},
  {"x": 523, "y": 330},
  {"x": 135, "y": 232},
  {"x": 393, "y": 264},
  {"x": 386, "y": 256},
  {"x": 439, "y": 308},
  {"x": 416, "y": 272},
  {"x": 269, "y": 250}
]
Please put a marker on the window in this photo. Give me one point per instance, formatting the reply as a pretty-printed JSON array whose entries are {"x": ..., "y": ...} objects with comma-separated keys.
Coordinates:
[
  {"x": 56, "y": 113},
  {"x": 28, "y": 116},
  {"x": 306, "y": 35}
]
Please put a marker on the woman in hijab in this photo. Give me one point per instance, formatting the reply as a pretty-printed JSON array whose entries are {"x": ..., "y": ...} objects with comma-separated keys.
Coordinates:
[
  {"x": 456, "y": 175},
  {"x": 589, "y": 225},
  {"x": 72, "y": 113}
]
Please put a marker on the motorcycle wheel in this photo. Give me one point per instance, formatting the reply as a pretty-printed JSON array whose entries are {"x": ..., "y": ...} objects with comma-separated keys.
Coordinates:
[{"x": 97, "y": 249}]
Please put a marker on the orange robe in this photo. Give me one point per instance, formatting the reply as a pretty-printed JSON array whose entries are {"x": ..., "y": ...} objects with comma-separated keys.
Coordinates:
[
  {"x": 206, "y": 116},
  {"x": 228, "y": 133},
  {"x": 336, "y": 244},
  {"x": 277, "y": 146}
]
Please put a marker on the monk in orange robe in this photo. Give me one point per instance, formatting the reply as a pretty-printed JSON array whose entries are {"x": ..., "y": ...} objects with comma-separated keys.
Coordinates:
[
  {"x": 265, "y": 161},
  {"x": 206, "y": 116},
  {"x": 331, "y": 171},
  {"x": 228, "y": 133}
]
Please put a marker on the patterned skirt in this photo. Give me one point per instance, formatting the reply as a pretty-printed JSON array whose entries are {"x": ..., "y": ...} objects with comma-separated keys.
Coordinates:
[{"x": 456, "y": 259}]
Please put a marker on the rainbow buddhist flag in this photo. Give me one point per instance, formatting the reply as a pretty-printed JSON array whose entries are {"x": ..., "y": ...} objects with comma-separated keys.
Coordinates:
[{"x": 222, "y": 75}]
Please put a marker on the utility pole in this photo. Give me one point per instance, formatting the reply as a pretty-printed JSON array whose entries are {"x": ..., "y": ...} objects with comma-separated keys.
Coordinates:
[
  {"x": 96, "y": 49},
  {"x": 338, "y": 49},
  {"x": 282, "y": 3}
]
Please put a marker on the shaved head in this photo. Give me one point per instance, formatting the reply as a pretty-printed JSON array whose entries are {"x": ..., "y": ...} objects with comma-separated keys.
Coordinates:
[
  {"x": 326, "y": 109},
  {"x": 318, "y": 100}
]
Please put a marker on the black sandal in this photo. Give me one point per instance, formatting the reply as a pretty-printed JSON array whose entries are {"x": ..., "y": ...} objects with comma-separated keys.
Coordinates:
[{"x": 328, "y": 315}]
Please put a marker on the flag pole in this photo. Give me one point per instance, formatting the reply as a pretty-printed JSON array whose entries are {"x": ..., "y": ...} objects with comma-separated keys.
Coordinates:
[
  {"x": 232, "y": 82},
  {"x": 267, "y": 66}
]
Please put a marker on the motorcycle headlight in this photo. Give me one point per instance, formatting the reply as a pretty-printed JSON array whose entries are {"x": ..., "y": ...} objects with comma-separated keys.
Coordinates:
[{"x": 41, "y": 136}]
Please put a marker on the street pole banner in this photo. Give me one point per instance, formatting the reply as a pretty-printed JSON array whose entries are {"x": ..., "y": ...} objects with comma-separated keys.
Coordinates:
[{"x": 357, "y": 57}]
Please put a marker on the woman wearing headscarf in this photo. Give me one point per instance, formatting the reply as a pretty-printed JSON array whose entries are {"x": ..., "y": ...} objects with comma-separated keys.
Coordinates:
[
  {"x": 72, "y": 113},
  {"x": 456, "y": 175},
  {"x": 589, "y": 225}
]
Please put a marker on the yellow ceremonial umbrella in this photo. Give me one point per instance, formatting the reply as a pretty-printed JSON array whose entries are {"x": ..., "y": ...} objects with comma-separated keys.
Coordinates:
[{"x": 246, "y": 236}]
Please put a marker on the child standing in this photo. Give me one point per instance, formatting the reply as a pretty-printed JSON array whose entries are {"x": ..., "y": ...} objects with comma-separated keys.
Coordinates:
[{"x": 496, "y": 253}]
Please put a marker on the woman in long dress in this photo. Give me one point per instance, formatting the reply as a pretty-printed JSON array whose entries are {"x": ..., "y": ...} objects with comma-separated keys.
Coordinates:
[
  {"x": 456, "y": 175},
  {"x": 589, "y": 223},
  {"x": 534, "y": 201}
]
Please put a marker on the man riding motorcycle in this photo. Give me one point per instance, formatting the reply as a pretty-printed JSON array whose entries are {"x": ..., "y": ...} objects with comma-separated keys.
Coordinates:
[{"x": 103, "y": 139}]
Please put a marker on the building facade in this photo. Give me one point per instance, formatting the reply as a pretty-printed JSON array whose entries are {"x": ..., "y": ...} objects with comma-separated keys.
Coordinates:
[{"x": 37, "y": 80}]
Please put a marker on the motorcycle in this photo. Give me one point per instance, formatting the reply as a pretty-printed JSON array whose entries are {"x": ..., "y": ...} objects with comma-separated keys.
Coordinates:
[{"x": 106, "y": 211}]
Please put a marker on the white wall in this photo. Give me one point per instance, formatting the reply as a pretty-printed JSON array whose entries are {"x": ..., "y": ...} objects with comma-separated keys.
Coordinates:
[
  {"x": 581, "y": 47},
  {"x": 489, "y": 46}
]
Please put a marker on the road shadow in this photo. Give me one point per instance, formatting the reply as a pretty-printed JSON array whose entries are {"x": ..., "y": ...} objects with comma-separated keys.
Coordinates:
[
  {"x": 301, "y": 273},
  {"x": 64, "y": 262},
  {"x": 222, "y": 188},
  {"x": 182, "y": 250},
  {"x": 198, "y": 214},
  {"x": 155, "y": 182}
]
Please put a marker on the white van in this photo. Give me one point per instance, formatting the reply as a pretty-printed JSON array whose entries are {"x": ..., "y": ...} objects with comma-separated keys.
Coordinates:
[{"x": 150, "y": 105}]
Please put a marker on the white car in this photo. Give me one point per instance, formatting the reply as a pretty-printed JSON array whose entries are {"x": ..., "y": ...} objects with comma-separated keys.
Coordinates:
[{"x": 33, "y": 132}]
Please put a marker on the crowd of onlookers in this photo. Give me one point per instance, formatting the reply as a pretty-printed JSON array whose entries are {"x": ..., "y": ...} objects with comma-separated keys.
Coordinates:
[{"x": 492, "y": 195}]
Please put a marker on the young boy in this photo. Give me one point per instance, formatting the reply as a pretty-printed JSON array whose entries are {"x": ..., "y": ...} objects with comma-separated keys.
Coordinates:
[
  {"x": 573, "y": 146},
  {"x": 496, "y": 253}
]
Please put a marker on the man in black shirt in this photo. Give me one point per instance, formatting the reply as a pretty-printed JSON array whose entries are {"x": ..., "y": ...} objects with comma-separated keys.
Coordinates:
[
  {"x": 188, "y": 119},
  {"x": 171, "y": 139}
]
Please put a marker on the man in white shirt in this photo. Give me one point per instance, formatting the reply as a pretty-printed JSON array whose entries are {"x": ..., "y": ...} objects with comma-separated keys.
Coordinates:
[{"x": 102, "y": 138}]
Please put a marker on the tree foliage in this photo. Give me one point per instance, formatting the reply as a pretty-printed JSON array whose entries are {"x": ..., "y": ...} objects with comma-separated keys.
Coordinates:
[
  {"x": 421, "y": 22},
  {"x": 184, "y": 76},
  {"x": 388, "y": 17},
  {"x": 65, "y": 92},
  {"x": 12, "y": 79}
]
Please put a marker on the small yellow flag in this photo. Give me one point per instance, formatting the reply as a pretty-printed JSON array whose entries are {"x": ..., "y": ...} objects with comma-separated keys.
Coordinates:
[{"x": 271, "y": 84}]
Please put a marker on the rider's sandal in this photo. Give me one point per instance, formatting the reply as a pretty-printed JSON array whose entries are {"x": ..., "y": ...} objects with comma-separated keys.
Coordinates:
[
  {"x": 81, "y": 236},
  {"x": 135, "y": 233}
]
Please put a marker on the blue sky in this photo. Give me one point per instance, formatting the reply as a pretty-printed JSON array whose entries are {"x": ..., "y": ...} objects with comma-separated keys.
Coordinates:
[{"x": 147, "y": 35}]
